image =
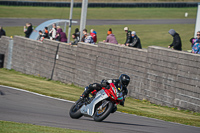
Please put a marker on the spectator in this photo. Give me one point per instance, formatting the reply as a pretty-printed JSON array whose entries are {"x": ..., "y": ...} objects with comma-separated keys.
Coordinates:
[
  {"x": 2, "y": 32},
  {"x": 46, "y": 32},
  {"x": 57, "y": 27},
  {"x": 84, "y": 35},
  {"x": 93, "y": 34},
  {"x": 88, "y": 39},
  {"x": 196, "y": 47},
  {"x": 28, "y": 29},
  {"x": 128, "y": 36},
  {"x": 135, "y": 41},
  {"x": 52, "y": 32},
  {"x": 61, "y": 36},
  {"x": 198, "y": 37},
  {"x": 41, "y": 37},
  {"x": 110, "y": 37},
  {"x": 176, "y": 44},
  {"x": 75, "y": 40},
  {"x": 192, "y": 41},
  {"x": 77, "y": 32}
]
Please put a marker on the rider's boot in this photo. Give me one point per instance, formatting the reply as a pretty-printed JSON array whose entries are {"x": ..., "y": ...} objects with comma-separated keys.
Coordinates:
[
  {"x": 122, "y": 103},
  {"x": 90, "y": 88},
  {"x": 86, "y": 93}
]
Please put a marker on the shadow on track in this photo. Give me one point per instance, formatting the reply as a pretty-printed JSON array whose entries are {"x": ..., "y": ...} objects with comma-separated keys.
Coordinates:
[{"x": 122, "y": 123}]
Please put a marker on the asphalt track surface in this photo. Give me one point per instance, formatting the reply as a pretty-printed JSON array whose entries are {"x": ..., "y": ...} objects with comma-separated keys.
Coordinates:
[
  {"x": 27, "y": 107},
  {"x": 5, "y": 22}
]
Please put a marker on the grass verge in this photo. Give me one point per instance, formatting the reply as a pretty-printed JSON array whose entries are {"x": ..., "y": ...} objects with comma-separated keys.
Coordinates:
[
  {"x": 14, "y": 127},
  {"x": 96, "y": 13},
  {"x": 71, "y": 92}
]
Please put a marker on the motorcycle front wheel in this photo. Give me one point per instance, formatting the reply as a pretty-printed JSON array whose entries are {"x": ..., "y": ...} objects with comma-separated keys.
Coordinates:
[
  {"x": 102, "y": 112},
  {"x": 75, "y": 112}
]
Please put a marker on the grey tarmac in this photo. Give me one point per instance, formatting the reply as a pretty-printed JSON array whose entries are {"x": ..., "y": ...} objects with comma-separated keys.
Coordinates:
[{"x": 26, "y": 107}]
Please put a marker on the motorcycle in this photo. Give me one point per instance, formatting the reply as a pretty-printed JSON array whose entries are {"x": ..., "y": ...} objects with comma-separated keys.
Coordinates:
[{"x": 99, "y": 106}]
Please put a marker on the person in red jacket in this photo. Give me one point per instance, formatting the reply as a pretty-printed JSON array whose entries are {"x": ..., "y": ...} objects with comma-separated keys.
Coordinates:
[{"x": 94, "y": 36}]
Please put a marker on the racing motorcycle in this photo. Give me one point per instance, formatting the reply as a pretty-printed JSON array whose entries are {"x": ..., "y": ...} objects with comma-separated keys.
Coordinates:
[{"x": 99, "y": 106}]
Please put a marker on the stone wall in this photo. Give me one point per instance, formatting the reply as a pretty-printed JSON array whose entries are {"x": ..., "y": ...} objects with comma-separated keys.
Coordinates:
[
  {"x": 160, "y": 75},
  {"x": 173, "y": 78},
  {"x": 4, "y": 43},
  {"x": 34, "y": 57}
]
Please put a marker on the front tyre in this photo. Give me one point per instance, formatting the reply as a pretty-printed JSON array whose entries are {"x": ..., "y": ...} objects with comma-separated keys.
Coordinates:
[
  {"x": 75, "y": 112},
  {"x": 102, "y": 112}
]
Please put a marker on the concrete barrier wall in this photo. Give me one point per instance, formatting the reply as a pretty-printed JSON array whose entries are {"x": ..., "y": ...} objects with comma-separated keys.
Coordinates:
[
  {"x": 173, "y": 78},
  {"x": 160, "y": 75},
  {"x": 86, "y": 58},
  {"x": 34, "y": 57},
  {"x": 133, "y": 62},
  {"x": 4, "y": 44},
  {"x": 65, "y": 64}
]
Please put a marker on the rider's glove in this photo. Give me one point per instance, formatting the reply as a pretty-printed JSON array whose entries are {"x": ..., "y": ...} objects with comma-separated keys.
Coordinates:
[{"x": 104, "y": 83}]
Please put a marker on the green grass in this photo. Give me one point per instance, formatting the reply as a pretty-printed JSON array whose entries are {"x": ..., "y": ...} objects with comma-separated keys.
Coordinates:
[
  {"x": 71, "y": 92},
  {"x": 96, "y": 13},
  {"x": 14, "y": 127},
  {"x": 149, "y": 35}
]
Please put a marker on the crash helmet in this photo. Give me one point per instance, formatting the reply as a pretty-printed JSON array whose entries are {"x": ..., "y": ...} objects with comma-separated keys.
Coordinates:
[{"x": 124, "y": 80}]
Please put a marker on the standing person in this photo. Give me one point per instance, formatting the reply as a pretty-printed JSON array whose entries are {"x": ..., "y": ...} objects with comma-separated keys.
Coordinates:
[
  {"x": 28, "y": 29},
  {"x": 77, "y": 32},
  {"x": 46, "y": 32},
  {"x": 41, "y": 37},
  {"x": 75, "y": 42},
  {"x": 135, "y": 41},
  {"x": 94, "y": 37},
  {"x": 84, "y": 35},
  {"x": 176, "y": 44},
  {"x": 192, "y": 41},
  {"x": 2, "y": 32},
  {"x": 196, "y": 46},
  {"x": 61, "y": 36},
  {"x": 128, "y": 36},
  {"x": 110, "y": 37},
  {"x": 88, "y": 39},
  {"x": 197, "y": 39},
  {"x": 52, "y": 33}
]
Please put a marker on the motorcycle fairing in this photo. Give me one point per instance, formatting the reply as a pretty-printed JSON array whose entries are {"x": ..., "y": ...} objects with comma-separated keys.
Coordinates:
[{"x": 89, "y": 108}]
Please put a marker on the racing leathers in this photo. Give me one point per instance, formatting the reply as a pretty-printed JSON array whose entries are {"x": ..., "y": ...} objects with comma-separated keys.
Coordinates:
[{"x": 106, "y": 84}]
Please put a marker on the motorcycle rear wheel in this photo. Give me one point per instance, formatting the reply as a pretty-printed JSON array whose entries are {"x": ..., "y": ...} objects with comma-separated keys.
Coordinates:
[
  {"x": 102, "y": 113},
  {"x": 75, "y": 112}
]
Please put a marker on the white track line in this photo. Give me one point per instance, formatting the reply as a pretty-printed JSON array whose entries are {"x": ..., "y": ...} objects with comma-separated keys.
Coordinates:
[{"x": 37, "y": 94}]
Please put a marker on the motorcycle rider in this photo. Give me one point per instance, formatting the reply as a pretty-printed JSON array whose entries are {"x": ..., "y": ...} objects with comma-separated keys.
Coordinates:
[{"x": 121, "y": 84}]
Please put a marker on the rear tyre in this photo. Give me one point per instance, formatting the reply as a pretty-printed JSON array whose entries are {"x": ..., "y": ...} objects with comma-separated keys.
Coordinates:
[
  {"x": 102, "y": 113},
  {"x": 75, "y": 112}
]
